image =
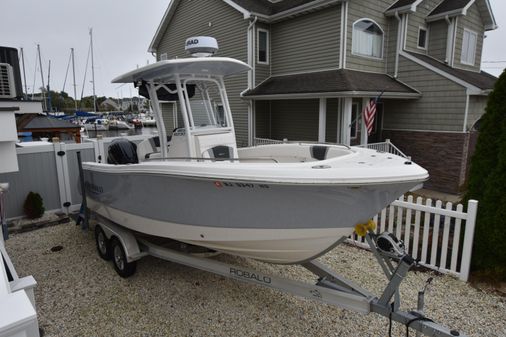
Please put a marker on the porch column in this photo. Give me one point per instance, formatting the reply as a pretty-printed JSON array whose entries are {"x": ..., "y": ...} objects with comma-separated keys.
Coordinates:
[
  {"x": 346, "y": 120},
  {"x": 363, "y": 129},
  {"x": 323, "y": 120}
]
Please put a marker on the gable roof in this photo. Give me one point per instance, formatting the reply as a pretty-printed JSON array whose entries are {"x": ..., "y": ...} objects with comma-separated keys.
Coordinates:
[
  {"x": 266, "y": 7},
  {"x": 481, "y": 80},
  {"x": 264, "y": 10},
  {"x": 450, "y": 8},
  {"x": 35, "y": 121},
  {"x": 403, "y": 6},
  {"x": 339, "y": 82}
]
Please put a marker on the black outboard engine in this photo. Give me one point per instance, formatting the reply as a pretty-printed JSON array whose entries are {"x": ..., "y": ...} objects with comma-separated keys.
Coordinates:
[{"x": 121, "y": 152}]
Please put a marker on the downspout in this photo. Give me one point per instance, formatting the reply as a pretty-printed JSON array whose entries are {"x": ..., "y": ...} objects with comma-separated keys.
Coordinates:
[
  {"x": 341, "y": 42},
  {"x": 345, "y": 41},
  {"x": 251, "y": 52},
  {"x": 449, "y": 42},
  {"x": 398, "y": 48},
  {"x": 251, "y": 78}
]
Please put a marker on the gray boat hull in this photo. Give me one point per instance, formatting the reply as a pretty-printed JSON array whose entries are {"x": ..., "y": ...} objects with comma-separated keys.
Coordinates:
[{"x": 280, "y": 223}]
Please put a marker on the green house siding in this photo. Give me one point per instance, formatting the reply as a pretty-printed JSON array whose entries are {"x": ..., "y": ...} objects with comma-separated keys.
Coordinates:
[
  {"x": 391, "y": 49},
  {"x": 417, "y": 20},
  {"x": 168, "y": 117},
  {"x": 228, "y": 26},
  {"x": 331, "y": 122},
  {"x": 263, "y": 119},
  {"x": 473, "y": 22},
  {"x": 441, "y": 108},
  {"x": 362, "y": 9},
  {"x": 306, "y": 43},
  {"x": 295, "y": 119},
  {"x": 438, "y": 32}
]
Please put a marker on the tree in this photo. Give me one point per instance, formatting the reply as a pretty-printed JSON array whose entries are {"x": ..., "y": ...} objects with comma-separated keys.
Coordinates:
[{"x": 487, "y": 183}]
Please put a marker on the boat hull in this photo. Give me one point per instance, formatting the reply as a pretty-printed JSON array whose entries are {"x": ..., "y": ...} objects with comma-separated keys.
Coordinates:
[{"x": 274, "y": 222}]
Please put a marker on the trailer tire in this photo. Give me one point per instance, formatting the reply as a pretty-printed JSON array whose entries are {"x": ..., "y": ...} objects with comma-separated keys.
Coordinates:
[
  {"x": 103, "y": 244},
  {"x": 123, "y": 268}
]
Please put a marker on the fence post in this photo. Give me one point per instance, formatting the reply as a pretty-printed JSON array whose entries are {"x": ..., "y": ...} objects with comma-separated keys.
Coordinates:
[
  {"x": 472, "y": 210},
  {"x": 60, "y": 172}
]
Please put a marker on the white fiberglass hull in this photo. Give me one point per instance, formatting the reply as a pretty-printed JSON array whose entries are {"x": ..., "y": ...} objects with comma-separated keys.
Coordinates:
[{"x": 263, "y": 218}]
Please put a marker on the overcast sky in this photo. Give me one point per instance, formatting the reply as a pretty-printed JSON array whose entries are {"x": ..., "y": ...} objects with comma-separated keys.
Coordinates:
[{"x": 122, "y": 31}]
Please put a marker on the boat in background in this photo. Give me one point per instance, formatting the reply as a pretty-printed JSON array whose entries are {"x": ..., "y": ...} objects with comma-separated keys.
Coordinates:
[
  {"x": 96, "y": 124},
  {"x": 118, "y": 124},
  {"x": 148, "y": 121},
  {"x": 283, "y": 203}
]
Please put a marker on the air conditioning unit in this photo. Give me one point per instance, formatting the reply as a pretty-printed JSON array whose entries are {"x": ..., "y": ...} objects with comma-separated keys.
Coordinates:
[{"x": 7, "y": 84}]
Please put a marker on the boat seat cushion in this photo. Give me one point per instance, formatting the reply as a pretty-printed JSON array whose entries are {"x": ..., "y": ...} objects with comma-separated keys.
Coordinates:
[
  {"x": 145, "y": 149},
  {"x": 319, "y": 152},
  {"x": 219, "y": 152}
]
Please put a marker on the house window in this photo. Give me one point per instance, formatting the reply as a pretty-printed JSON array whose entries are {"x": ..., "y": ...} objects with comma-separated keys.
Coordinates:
[
  {"x": 469, "y": 47},
  {"x": 367, "y": 39},
  {"x": 422, "y": 38},
  {"x": 163, "y": 56},
  {"x": 263, "y": 46}
]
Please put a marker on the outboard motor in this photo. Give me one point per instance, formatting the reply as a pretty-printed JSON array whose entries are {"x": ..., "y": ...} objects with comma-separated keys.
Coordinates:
[{"x": 121, "y": 152}]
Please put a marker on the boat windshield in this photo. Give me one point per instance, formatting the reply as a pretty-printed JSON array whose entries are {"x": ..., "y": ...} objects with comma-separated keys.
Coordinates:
[{"x": 206, "y": 107}]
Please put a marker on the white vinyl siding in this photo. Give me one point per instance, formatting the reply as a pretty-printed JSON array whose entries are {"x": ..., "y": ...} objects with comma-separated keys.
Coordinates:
[
  {"x": 263, "y": 46},
  {"x": 469, "y": 42},
  {"x": 367, "y": 39}
]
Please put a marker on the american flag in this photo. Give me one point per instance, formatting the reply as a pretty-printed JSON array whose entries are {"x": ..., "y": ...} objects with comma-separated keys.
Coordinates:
[{"x": 369, "y": 113}]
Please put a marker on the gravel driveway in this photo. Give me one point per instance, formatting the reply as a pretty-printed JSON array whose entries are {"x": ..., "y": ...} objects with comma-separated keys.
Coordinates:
[{"x": 79, "y": 294}]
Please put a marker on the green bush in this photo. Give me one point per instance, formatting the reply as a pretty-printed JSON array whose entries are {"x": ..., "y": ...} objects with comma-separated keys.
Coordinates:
[
  {"x": 487, "y": 184},
  {"x": 33, "y": 206}
]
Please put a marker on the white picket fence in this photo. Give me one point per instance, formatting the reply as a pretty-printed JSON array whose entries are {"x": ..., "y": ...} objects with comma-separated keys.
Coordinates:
[{"x": 431, "y": 233}]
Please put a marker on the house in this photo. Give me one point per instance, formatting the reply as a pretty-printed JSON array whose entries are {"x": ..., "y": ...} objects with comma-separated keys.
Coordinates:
[
  {"x": 41, "y": 126},
  {"x": 315, "y": 64}
]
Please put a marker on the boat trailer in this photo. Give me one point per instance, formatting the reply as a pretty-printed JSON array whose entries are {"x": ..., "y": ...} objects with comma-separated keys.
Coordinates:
[{"x": 125, "y": 247}]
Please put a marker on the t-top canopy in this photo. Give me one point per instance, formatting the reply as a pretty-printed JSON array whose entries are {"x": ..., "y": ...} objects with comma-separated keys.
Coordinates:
[{"x": 165, "y": 70}]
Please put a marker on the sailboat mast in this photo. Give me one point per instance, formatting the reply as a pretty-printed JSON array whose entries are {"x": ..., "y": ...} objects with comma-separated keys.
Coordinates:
[
  {"x": 24, "y": 73},
  {"x": 93, "y": 71},
  {"x": 74, "y": 76},
  {"x": 49, "y": 106},
  {"x": 41, "y": 75}
]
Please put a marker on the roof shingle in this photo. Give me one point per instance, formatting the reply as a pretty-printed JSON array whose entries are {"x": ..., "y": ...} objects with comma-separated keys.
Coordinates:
[
  {"x": 401, "y": 3},
  {"x": 449, "y": 6},
  {"x": 482, "y": 80},
  {"x": 331, "y": 81}
]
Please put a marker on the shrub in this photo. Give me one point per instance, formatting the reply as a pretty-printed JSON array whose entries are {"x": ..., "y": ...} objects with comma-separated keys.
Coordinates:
[
  {"x": 33, "y": 206},
  {"x": 487, "y": 183}
]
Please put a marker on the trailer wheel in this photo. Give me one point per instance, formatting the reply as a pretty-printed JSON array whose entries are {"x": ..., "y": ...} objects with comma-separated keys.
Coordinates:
[
  {"x": 122, "y": 267},
  {"x": 103, "y": 244}
]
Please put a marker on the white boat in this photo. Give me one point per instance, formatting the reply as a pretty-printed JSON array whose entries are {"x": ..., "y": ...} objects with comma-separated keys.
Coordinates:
[
  {"x": 96, "y": 124},
  {"x": 148, "y": 121},
  {"x": 283, "y": 203},
  {"x": 117, "y": 124}
]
